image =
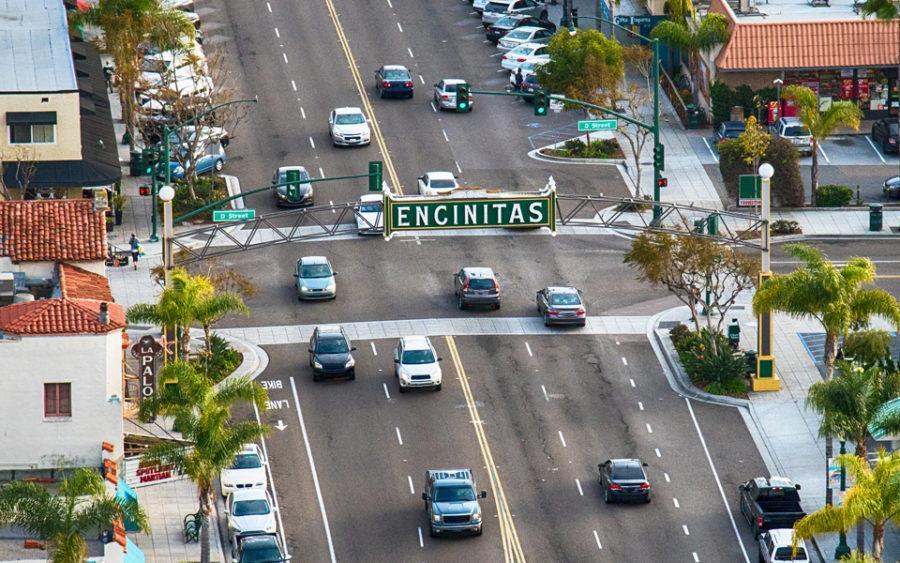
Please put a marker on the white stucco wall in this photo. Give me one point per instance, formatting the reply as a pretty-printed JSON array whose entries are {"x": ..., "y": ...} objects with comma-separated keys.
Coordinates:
[{"x": 92, "y": 364}]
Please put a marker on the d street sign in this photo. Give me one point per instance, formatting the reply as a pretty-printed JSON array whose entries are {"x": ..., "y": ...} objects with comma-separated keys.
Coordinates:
[
  {"x": 225, "y": 215},
  {"x": 639, "y": 20},
  {"x": 749, "y": 190},
  {"x": 598, "y": 125}
]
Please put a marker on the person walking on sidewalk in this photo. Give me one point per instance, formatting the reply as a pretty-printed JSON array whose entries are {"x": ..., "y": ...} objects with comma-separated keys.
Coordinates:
[
  {"x": 135, "y": 249},
  {"x": 108, "y": 73},
  {"x": 519, "y": 79}
]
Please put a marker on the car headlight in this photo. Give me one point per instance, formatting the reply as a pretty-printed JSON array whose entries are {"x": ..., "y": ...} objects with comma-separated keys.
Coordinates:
[
  {"x": 476, "y": 517},
  {"x": 403, "y": 375},
  {"x": 435, "y": 517},
  {"x": 317, "y": 364},
  {"x": 350, "y": 363},
  {"x": 304, "y": 289}
]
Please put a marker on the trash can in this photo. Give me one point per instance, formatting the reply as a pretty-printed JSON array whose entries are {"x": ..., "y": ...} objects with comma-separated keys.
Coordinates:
[
  {"x": 698, "y": 226},
  {"x": 138, "y": 164},
  {"x": 875, "y": 216},
  {"x": 693, "y": 116},
  {"x": 734, "y": 333},
  {"x": 712, "y": 224},
  {"x": 751, "y": 361}
]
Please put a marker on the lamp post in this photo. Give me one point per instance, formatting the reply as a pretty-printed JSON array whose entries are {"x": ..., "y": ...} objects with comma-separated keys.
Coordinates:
[
  {"x": 842, "y": 549},
  {"x": 778, "y": 82},
  {"x": 765, "y": 379},
  {"x": 167, "y": 194}
]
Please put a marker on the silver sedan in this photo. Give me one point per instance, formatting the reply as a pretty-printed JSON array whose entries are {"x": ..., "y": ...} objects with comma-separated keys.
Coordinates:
[{"x": 445, "y": 94}]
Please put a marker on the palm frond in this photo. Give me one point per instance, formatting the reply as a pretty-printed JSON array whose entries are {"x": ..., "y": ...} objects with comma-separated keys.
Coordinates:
[
  {"x": 875, "y": 302},
  {"x": 673, "y": 34},
  {"x": 712, "y": 31},
  {"x": 828, "y": 519}
]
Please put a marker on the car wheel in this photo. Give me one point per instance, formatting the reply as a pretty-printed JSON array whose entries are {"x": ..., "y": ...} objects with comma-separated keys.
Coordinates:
[
  {"x": 479, "y": 532},
  {"x": 316, "y": 377},
  {"x": 401, "y": 388},
  {"x": 352, "y": 376},
  {"x": 431, "y": 532},
  {"x": 437, "y": 387},
  {"x": 411, "y": 95},
  {"x": 647, "y": 500},
  {"x": 884, "y": 147},
  {"x": 219, "y": 165},
  {"x": 496, "y": 306}
]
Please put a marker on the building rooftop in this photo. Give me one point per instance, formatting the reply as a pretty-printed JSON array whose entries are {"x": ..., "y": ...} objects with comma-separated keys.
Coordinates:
[
  {"x": 59, "y": 317},
  {"x": 76, "y": 283},
  {"x": 794, "y": 11},
  {"x": 52, "y": 230},
  {"x": 34, "y": 40}
]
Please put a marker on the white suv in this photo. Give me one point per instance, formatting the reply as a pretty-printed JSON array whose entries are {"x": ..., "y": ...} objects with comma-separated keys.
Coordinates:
[
  {"x": 791, "y": 129},
  {"x": 416, "y": 364}
]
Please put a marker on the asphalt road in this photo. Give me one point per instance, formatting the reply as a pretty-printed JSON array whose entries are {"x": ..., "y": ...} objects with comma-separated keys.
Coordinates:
[
  {"x": 552, "y": 408},
  {"x": 885, "y": 253}
]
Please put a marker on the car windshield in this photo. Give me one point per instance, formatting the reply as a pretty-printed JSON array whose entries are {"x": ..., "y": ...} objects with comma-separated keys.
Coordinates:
[
  {"x": 417, "y": 357},
  {"x": 518, "y": 34},
  {"x": 627, "y": 471},
  {"x": 481, "y": 283},
  {"x": 370, "y": 207},
  {"x": 449, "y": 87},
  {"x": 454, "y": 494},
  {"x": 522, "y": 50},
  {"x": 796, "y": 131},
  {"x": 565, "y": 299},
  {"x": 246, "y": 461},
  {"x": 253, "y": 507},
  {"x": 350, "y": 119},
  {"x": 332, "y": 346},
  {"x": 784, "y": 554},
  {"x": 395, "y": 74},
  {"x": 442, "y": 183},
  {"x": 496, "y": 7},
  {"x": 315, "y": 271},
  {"x": 507, "y": 22},
  {"x": 893, "y": 128},
  {"x": 262, "y": 554}
]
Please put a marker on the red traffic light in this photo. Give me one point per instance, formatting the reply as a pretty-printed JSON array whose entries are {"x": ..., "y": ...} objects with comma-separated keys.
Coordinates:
[
  {"x": 144, "y": 190},
  {"x": 662, "y": 182}
]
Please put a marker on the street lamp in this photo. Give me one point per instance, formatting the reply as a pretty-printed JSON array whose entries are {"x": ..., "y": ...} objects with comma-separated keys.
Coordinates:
[
  {"x": 778, "y": 82},
  {"x": 765, "y": 379},
  {"x": 842, "y": 550},
  {"x": 167, "y": 194}
]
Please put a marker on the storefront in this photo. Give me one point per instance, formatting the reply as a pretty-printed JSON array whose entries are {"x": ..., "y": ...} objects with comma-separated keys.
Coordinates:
[{"x": 874, "y": 90}]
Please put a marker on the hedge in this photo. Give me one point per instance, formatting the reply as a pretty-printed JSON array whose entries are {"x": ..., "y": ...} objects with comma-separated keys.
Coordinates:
[
  {"x": 833, "y": 195},
  {"x": 787, "y": 186},
  {"x": 724, "y": 98}
]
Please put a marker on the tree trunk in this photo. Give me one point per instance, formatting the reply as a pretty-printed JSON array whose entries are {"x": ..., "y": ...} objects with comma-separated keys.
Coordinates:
[
  {"x": 693, "y": 64},
  {"x": 814, "y": 172},
  {"x": 207, "y": 347},
  {"x": 861, "y": 525},
  {"x": 830, "y": 354},
  {"x": 204, "y": 525},
  {"x": 877, "y": 540}
]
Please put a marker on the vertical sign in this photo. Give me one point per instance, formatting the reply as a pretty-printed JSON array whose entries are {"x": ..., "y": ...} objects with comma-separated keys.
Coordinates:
[
  {"x": 749, "y": 190},
  {"x": 146, "y": 351},
  {"x": 293, "y": 187}
]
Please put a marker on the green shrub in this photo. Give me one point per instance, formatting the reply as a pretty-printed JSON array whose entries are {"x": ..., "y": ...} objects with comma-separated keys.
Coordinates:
[
  {"x": 703, "y": 365},
  {"x": 600, "y": 148},
  {"x": 223, "y": 359},
  {"x": 208, "y": 190},
  {"x": 677, "y": 333},
  {"x": 833, "y": 195},
  {"x": 784, "y": 227},
  {"x": 867, "y": 347},
  {"x": 575, "y": 146},
  {"x": 787, "y": 186},
  {"x": 734, "y": 387}
]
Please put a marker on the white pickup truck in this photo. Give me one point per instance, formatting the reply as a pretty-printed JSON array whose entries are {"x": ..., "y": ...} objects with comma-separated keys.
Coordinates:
[{"x": 776, "y": 545}]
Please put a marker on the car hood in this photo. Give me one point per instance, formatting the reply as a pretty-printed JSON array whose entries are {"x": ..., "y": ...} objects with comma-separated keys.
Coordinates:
[
  {"x": 316, "y": 283},
  {"x": 304, "y": 189},
  {"x": 333, "y": 359},
  {"x": 469, "y": 507},
  {"x": 352, "y": 129},
  {"x": 421, "y": 369},
  {"x": 234, "y": 476},
  {"x": 254, "y": 523}
]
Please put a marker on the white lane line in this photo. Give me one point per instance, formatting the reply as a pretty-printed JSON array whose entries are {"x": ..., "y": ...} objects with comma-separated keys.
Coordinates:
[
  {"x": 675, "y": 502},
  {"x": 294, "y": 85},
  {"x": 410, "y": 53},
  {"x": 400, "y": 27},
  {"x": 399, "y": 437},
  {"x": 458, "y": 169},
  {"x": 331, "y": 203},
  {"x": 666, "y": 475},
  {"x": 709, "y": 148},
  {"x": 269, "y": 6},
  {"x": 387, "y": 394},
  {"x": 272, "y": 484},
  {"x": 284, "y": 56},
  {"x": 640, "y": 405},
  {"x": 544, "y": 389},
  {"x": 412, "y": 490},
  {"x": 278, "y": 35},
  {"x": 737, "y": 534},
  {"x": 874, "y": 148},
  {"x": 421, "y": 543},
  {"x": 631, "y": 381},
  {"x": 657, "y": 452},
  {"x": 497, "y": 55},
  {"x": 580, "y": 490},
  {"x": 485, "y": 41},
  {"x": 696, "y": 558},
  {"x": 624, "y": 361},
  {"x": 434, "y": 109},
  {"x": 315, "y": 476},
  {"x": 311, "y": 142},
  {"x": 422, "y": 80},
  {"x": 389, "y": 4},
  {"x": 321, "y": 172},
  {"x": 302, "y": 112},
  {"x": 821, "y": 150},
  {"x": 445, "y": 135},
  {"x": 649, "y": 430},
  {"x": 617, "y": 341},
  {"x": 597, "y": 539},
  {"x": 686, "y": 531},
  {"x": 374, "y": 351},
  {"x": 527, "y": 347},
  {"x": 561, "y": 439}
]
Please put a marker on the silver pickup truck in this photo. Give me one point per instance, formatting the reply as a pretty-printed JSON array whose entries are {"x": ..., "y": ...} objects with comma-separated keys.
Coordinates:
[{"x": 451, "y": 501}]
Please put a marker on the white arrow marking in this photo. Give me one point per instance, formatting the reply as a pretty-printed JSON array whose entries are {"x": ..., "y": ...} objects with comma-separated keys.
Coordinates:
[{"x": 281, "y": 425}]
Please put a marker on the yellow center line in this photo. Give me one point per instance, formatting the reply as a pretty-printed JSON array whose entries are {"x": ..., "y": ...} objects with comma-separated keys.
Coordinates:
[
  {"x": 512, "y": 547},
  {"x": 360, "y": 86}
]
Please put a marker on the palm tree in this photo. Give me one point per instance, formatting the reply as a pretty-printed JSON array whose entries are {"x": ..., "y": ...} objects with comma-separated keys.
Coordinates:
[
  {"x": 833, "y": 296},
  {"x": 821, "y": 124},
  {"x": 881, "y": 9},
  {"x": 874, "y": 498},
  {"x": 694, "y": 36},
  {"x": 126, "y": 24},
  {"x": 201, "y": 411},
  {"x": 80, "y": 509},
  {"x": 850, "y": 402},
  {"x": 211, "y": 309}
]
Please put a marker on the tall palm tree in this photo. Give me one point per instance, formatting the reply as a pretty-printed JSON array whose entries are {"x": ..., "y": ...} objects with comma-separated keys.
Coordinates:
[
  {"x": 694, "y": 36},
  {"x": 874, "y": 498},
  {"x": 201, "y": 411},
  {"x": 126, "y": 24},
  {"x": 850, "y": 402},
  {"x": 821, "y": 124},
  {"x": 80, "y": 509},
  {"x": 211, "y": 309}
]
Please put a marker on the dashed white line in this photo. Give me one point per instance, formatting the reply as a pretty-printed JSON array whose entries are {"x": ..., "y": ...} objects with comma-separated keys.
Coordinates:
[
  {"x": 546, "y": 396},
  {"x": 399, "y": 437},
  {"x": 686, "y": 531},
  {"x": 389, "y": 4},
  {"x": 331, "y": 203},
  {"x": 657, "y": 452},
  {"x": 649, "y": 430},
  {"x": 561, "y": 439},
  {"x": 527, "y": 347},
  {"x": 412, "y": 490},
  {"x": 624, "y": 361},
  {"x": 422, "y": 80},
  {"x": 458, "y": 169},
  {"x": 696, "y": 558},
  {"x": 400, "y": 27},
  {"x": 269, "y": 6},
  {"x": 631, "y": 381},
  {"x": 410, "y": 53},
  {"x": 674, "y": 501},
  {"x": 278, "y": 35},
  {"x": 617, "y": 342},
  {"x": 666, "y": 475},
  {"x": 322, "y": 175},
  {"x": 434, "y": 109},
  {"x": 446, "y": 138},
  {"x": 421, "y": 543},
  {"x": 580, "y": 490},
  {"x": 640, "y": 405},
  {"x": 284, "y": 56},
  {"x": 597, "y": 539},
  {"x": 311, "y": 142},
  {"x": 875, "y": 149},
  {"x": 302, "y": 112},
  {"x": 294, "y": 85},
  {"x": 374, "y": 351},
  {"x": 387, "y": 394}
]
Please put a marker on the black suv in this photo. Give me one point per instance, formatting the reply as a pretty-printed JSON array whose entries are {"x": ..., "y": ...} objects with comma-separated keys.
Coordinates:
[
  {"x": 624, "y": 480},
  {"x": 504, "y": 25},
  {"x": 330, "y": 353},
  {"x": 886, "y": 132}
]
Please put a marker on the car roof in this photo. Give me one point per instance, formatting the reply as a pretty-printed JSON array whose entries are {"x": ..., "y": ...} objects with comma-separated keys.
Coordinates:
[
  {"x": 454, "y": 81},
  {"x": 349, "y": 109},
  {"x": 366, "y": 198},
  {"x": 314, "y": 260},
  {"x": 478, "y": 272},
  {"x": 440, "y": 175},
  {"x": 395, "y": 67},
  {"x": 248, "y": 494},
  {"x": 250, "y": 449},
  {"x": 562, "y": 289},
  {"x": 530, "y": 45},
  {"x": 416, "y": 342},
  {"x": 733, "y": 124},
  {"x": 296, "y": 167},
  {"x": 627, "y": 461},
  {"x": 784, "y": 536},
  {"x": 529, "y": 28}
]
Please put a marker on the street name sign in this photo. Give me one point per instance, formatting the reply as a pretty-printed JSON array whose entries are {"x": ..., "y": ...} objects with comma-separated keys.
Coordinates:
[
  {"x": 598, "y": 125},
  {"x": 639, "y": 20},
  {"x": 749, "y": 190},
  {"x": 225, "y": 215}
]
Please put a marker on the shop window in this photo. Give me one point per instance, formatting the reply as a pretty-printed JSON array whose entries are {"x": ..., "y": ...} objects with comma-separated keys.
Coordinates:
[
  {"x": 57, "y": 400},
  {"x": 24, "y": 133}
]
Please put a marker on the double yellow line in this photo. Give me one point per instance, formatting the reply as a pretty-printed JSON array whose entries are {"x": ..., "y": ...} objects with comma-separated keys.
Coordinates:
[
  {"x": 361, "y": 88},
  {"x": 512, "y": 547}
]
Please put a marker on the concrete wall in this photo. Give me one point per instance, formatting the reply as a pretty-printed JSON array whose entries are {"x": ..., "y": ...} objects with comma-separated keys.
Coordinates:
[
  {"x": 93, "y": 365},
  {"x": 67, "y": 145}
]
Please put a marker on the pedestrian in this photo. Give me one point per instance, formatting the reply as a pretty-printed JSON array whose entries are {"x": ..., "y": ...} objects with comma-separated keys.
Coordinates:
[
  {"x": 135, "y": 249},
  {"x": 519, "y": 79},
  {"x": 108, "y": 72}
]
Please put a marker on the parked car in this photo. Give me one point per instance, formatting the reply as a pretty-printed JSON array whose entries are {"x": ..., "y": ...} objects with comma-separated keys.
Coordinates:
[
  {"x": 315, "y": 278},
  {"x": 258, "y": 548},
  {"x": 891, "y": 188},
  {"x": 624, "y": 480},
  {"x": 523, "y": 53},
  {"x": 300, "y": 195},
  {"x": 476, "y": 287},
  {"x": 504, "y": 25},
  {"x": 436, "y": 183},
  {"x": 529, "y": 86},
  {"x": 248, "y": 471},
  {"x": 370, "y": 214},
  {"x": 729, "y": 130},
  {"x": 331, "y": 354},
  {"x": 790, "y": 129},
  {"x": 445, "y": 94},
  {"x": 208, "y": 159},
  {"x": 522, "y": 35},
  {"x": 416, "y": 364},
  {"x": 394, "y": 80},
  {"x": 770, "y": 503},
  {"x": 561, "y": 305},
  {"x": 778, "y": 545},
  {"x": 478, "y": 6},
  {"x": 886, "y": 132},
  {"x": 349, "y": 127},
  {"x": 451, "y": 501},
  {"x": 529, "y": 67},
  {"x": 496, "y": 9},
  {"x": 250, "y": 510}
]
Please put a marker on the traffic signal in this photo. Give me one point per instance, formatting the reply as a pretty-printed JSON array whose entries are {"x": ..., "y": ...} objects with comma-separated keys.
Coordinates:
[
  {"x": 462, "y": 97},
  {"x": 149, "y": 157},
  {"x": 662, "y": 182},
  {"x": 540, "y": 103},
  {"x": 659, "y": 157},
  {"x": 575, "y": 17},
  {"x": 292, "y": 177},
  {"x": 144, "y": 190},
  {"x": 375, "y": 181}
]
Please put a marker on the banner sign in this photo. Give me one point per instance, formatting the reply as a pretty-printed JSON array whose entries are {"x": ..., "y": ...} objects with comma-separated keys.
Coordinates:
[
  {"x": 140, "y": 472},
  {"x": 146, "y": 351}
]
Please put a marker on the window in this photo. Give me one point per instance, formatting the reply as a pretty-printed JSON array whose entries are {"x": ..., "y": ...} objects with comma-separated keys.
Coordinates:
[
  {"x": 27, "y": 127},
  {"x": 57, "y": 399}
]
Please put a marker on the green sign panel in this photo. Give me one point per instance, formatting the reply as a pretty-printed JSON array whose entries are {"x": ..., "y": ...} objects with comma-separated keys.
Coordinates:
[
  {"x": 504, "y": 211},
  {"x": 293, "y": 188},
  {"x": 225, "y": 215},
  {"x": 749, "y": 190},
  {"x": 598, "y": 125}
]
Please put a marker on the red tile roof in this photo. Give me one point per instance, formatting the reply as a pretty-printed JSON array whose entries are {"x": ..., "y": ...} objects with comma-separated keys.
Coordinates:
[
  {"x": 59, "y": 317},
  {"x": 77, "y": 283},
  {"x": 52, "y": 230}
]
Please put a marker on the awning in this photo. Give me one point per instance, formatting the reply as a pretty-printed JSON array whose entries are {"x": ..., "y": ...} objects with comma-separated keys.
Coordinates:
[
  {"x": 124, "y": 492},
  {"x": 890, "y": 408},
  {"x": 31, "y": 117},
  {"x": 133, "y": 553}
]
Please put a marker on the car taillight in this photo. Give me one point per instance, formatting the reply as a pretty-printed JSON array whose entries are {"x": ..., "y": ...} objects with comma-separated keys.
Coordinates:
[
  {"x": 409, "y": 84},
  {"x": 759, "y": 521},
  {"x": 580, "y": 312},
  {"x": 521, "y": 60},
  {"x": 892, "y": 141},
  {"x": 465, "y": 287},
  {"x": 385, "y": 84},
  {"x": 552, "y": 313},
  {"x": 645, "y": 486},
  {"x": 445, "y": 97},
  {"x": 614, "y": 487}
]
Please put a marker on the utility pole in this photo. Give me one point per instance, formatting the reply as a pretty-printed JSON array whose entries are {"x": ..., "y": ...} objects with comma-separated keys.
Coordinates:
[{"x": 765, "y": 379}]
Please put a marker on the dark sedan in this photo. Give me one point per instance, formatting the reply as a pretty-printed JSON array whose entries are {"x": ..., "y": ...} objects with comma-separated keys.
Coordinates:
[
  {"x": 886, "y": 132},
  {"x": 891, "y": 188},
  {"x": 624, "y": 480},
  {"x": 394, "y": 81},
  {"x": 729, "y": 130},
  {"x": 330, "y": 353},
  {"x": 508, "y": 23}
]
